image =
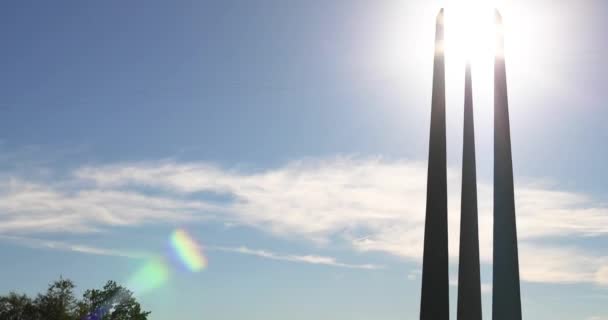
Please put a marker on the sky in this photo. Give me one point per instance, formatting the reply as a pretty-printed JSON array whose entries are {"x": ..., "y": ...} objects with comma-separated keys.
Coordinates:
[{"x": 267, "y": 159}]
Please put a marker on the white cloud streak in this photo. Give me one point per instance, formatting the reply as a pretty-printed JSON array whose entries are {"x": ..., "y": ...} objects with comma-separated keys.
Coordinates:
[
  {"x": 309, "y": 259},
  {"x": 67, "y": 246},
  {"x": 561, "y": 265},
  {"x": 35, "y": 207},
  {"x": 370, "y": 204},
  {"x": 95, "y": 250}
]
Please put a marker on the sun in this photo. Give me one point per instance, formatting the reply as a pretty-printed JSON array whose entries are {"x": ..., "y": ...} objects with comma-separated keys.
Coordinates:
[
  {"x": 470, "y": 37},
  {"x": 470, "y": 33},
  {"x": 400, "y": 45}
]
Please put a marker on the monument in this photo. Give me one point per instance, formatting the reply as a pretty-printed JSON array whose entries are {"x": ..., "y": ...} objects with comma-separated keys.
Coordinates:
[
  {"x": 435, "y": 300},
  {"x": 506, "y": 300},
  {"x": 469, "y": 284}
]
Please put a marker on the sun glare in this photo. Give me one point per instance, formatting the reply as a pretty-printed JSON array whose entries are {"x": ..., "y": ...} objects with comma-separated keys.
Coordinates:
[
  {"x": 401, "y": 47},
  {"x": 470, "y": 37},
  {"x": 470, "y": 32}
]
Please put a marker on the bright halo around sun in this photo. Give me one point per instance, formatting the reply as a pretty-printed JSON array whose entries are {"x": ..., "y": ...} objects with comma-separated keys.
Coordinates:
[{"x": 470, "y": 33}]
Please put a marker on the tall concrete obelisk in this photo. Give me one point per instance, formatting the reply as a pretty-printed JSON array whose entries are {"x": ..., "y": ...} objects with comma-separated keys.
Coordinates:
[
  {"x": 434, "y": 303},
  {"x": 469, "y": 285},
  {"x": 506, "y": 300}
]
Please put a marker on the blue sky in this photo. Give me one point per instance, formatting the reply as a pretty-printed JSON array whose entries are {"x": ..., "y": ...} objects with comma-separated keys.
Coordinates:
[{"x": 290, "y": 140}]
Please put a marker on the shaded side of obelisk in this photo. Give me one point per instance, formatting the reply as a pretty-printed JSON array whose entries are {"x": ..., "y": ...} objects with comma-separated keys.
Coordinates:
[
  {"x": 469, "y": 285},
  {"x": 506, "y": 300},
  {"x": 435, "y": 283}
]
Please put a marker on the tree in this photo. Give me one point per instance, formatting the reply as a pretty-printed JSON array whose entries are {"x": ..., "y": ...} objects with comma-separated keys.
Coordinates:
[
  {"x": 17, "y": 307},
  {"x": 58, "y": 303},
  {"x": 112, "y": 302}
]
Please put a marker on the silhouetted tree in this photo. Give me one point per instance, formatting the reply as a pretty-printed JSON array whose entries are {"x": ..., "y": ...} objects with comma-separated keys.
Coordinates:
[
  {"x": 17, "y": 307},
  {"x": 58, "y": 303},
  {"x": 112, "y": 302}
]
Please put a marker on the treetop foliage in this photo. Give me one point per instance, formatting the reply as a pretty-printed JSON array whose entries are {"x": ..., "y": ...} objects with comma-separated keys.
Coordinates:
[{"x": 112, "y": 302}]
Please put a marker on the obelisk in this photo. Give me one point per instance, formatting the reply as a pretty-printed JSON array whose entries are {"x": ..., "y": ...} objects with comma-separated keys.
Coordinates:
[
  {"x": 434, "y": 303},
  {"x": 506, "y": 300},
  {"x": 469, "y": 285}
]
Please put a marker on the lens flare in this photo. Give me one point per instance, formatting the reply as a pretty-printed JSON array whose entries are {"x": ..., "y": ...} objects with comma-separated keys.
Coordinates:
[
  {"x": 188, "y": 251},
  {"x": 152, "y": 275}
]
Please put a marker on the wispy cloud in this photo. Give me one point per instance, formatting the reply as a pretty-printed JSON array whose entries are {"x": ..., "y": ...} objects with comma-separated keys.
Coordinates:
[
  {"x": 309, "y": 259},
  {"x": 265, "y": 254},
  {"x": 561, "y": 264},
  {"x": 33, "y": 207},
  {"x": 369, "y": 204},
  {"x": 67, "y": 246}
]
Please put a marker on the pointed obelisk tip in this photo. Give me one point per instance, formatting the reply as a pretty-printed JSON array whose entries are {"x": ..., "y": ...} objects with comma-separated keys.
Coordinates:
[
  {"x": 500, "y": 45},
  {"x": 440, "y": 16},
  {"x": 497, "y": 16},
  {"x": 467, "y": 74}
]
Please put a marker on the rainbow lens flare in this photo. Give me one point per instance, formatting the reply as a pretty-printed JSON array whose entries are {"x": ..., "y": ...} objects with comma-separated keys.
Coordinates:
[
  {"x": 188, "y": 251},
  {"x": 153, "y": 274}
]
